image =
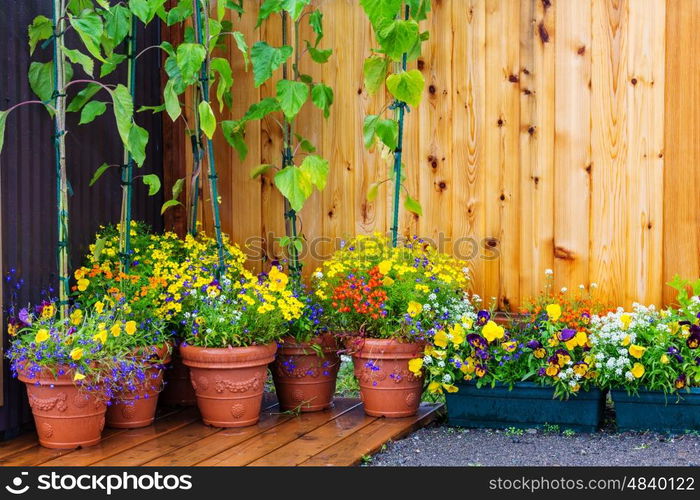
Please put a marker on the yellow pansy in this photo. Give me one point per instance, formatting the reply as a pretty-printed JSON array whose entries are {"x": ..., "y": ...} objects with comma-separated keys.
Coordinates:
[
  {"x": 99, "y": 307},
  {"x": 553, "y": 311},
  {"x": 76, "y": 317},
  {"x": 76, "y": 353},
  {"x": 100, "y": 336},
  {"x": 637, "y": 370},
  {"x": 41, "y": 335},
  {"x": 467, "y": 322},
  {"x": 130, "y": 327},
  {"x": 581, "y": 338},
  {"x": 414, "y": 308},
  {"x": 384, "y": 266},
  {"x": 457, "y": 333},
  {"x": 626, "y": 341},
  {"x": 440, "y": 339},
  {"x": 664, "y": 359},
  {"x": 116, "y": 329},
  {"x": 492, "y": 331},
  {"x": 571, "y": 344},
  {"x": 625, "y": 319},
  {"x": 434, "y": 387},
  {"x": 78, "y": 376},
  {"x": 467, "y": 366},
  {"x": 48, "y": 311},
  {"x": 83, "y": 284},
  {"x": 415, "y": 365},
  {"x": 637, "y": 351},
  {"x": 509, "y": 346}
]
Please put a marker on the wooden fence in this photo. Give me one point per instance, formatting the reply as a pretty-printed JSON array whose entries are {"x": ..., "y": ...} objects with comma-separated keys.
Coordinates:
[{"x": 554, "y": 134}]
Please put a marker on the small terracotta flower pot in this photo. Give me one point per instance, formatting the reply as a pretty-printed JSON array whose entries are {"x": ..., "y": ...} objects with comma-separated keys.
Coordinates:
[
  {"x": 387, "y": 387},
  {"x": 304, "y": 379},
  {"x": 178, "y": 389},
  {"x": 132, "y": 410},
  {"x": 66, "y": 416},
  {"x": 229, "y": 382}
]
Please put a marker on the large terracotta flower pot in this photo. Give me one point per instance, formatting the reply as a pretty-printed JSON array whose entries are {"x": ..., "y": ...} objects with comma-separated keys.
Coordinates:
[
  {"x": 387, "y": 387},
  {"x": 66, "y": 416},
  {"x": 178, "y": 389},
  {"x": 229, "y": 382},
  {"x": 137, "y": 408},
  {"x": 303, "y": 378}
]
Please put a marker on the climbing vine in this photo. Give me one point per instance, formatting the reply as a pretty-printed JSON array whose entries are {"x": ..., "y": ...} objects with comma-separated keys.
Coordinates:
[
  {"x": 396, "y": 29},
  {"x": 300, "y": 170}
]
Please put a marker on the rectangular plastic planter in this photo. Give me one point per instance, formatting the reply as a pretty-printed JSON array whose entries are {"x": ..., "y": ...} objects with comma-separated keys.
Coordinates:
[
  {"x": 526, "y": 406},
  {"x": 656, "y": 411}
]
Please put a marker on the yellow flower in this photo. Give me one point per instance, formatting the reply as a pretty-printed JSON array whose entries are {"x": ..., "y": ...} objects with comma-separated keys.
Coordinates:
[
  {"x": 414, "y": 308},
  {"x": 41, "y": 335},
  {"x": 83, "y": 284},
  {"x": 457, "y": 333},
  {"x": 100, "y": 336},
  {"x": 48, "y": 311},
  {"x": 625, "y": 319},
  {"x": 384, "y": 266},
  {"x": 415, "y": 365},
  {"x": 99, "y": 307},
  {"x": 509, "y": 346},
  {"x": 581, "y": 338},
  {"x": 664, "y": 359},
  {"x": 626, "y": 341},
  {"x": 78, "y": 376},
  {"x": 388, "y": 281},
  {"x": 130, "y": 327},
  {"x": 467, "y": 366},
  {"x": 637, "y": 370},
  {"x": 440, "y": 339},
  {"x": 492, "y": 331},
  {"x": 552, "y": 370},
  {"x": 116, "y": 329},
  {"x": 554, "y": 311},
  {"x": 450, "y": 387},
  {"x": 76, "y": 353},
  {"x": 637, "y": 351},
  {"x": 435, "y": 387},
  {"x": 467, "y": 322},
  {"x": 278, "y": 280},
  {"x": 76, "y": 317}
]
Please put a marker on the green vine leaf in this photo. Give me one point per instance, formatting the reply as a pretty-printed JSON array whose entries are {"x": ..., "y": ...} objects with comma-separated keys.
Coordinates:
[
  {"x": 369, "y": 130},
  {"x": 380, "y": 10},
  {"x": 98, "y": 173},
  {"x": 295, "y": 185},
  {"x": 207, "y": 120},
  {"x": 375, "y": 69},
  {"x": 373, "y": 191},
  {"x": 268, "y": 8},
  {"x": 91, "y": 111},
  {"x": 89, "y": 27},
  {"x": 316, "y": 168},
  {"x": 388, "y": 132},
  {"x": 234, "y": 134},
  {"x": 419, "y": 9},
  {"x": 111, "y": 63},
  {"x": 305, "y": 144},
  {"x": 316, "y": 23},
  {"x": 41, "y": 79},
  {"x": 189, "y": 57},
  {"x": 3, "y": 122},
  {"x": 77, "y": 6},
  {"x": 260, "y": 110},
  {"x": 40, "y": 29},
  {"x": 179, "y": 13},
  {"x": 259, "y": 170},
  {"x": 153, "y": 183},
  {"x": 123, "y": 112},
  {"x": 83, "y": 97},
  {"x": 398, "y": 36},
  {"x": 407, "y": 86},
  {"x": 412, "y": 206},
  {"x": 77, "y": 57},
  {"x": 172, "y": 103},
  {"x": 242, "y": 47},
  {"x": 322, "y": 97},
  {"x": 169, "y": 204},
  {"x": 266, "y": 60},
  {"x": 117, "y": 24},
  {"x": 295, "y": 7},
  {"x": 291, "y": 96},
  {"x": 145, "y": 10},
  {"x": 178, "y": 187},
  {"x": 138, "y": 140},
  {"x": 225, "y": 81},
  {"x": 320, "y": 56}
]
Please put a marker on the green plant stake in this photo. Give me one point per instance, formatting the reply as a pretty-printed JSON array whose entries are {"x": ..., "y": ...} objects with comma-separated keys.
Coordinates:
[
  {"x": 295, "y": 182},
  {"x": 400, "y": 41}
]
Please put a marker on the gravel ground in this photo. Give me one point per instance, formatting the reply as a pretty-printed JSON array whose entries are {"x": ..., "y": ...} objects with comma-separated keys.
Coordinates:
[{"x": 444, "y": 446}]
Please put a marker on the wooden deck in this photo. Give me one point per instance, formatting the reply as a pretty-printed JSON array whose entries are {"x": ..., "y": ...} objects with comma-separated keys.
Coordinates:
[{"x": 339, "y": 436}]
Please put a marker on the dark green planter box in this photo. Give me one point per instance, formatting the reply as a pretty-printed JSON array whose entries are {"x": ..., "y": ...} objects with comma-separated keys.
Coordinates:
[
  {"x": 656, "y": 411},
  {"x": 526, "y": 406}
]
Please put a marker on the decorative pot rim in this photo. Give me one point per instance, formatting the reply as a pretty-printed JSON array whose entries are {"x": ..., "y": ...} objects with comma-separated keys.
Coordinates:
[
  {"x": 227, "y": 357},
  {"x": 389, "y": 349}
]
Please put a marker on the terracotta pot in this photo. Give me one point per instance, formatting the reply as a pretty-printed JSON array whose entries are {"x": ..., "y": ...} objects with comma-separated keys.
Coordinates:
[
  {"x": 229, "y": 382},
  {"x": 178, "y": 389},
  {"x": 303, "y": 379},
  {"x": 65, "y": 415},
  {"x": 387, "y": 387},
  {"x": 135, "y": 409}
]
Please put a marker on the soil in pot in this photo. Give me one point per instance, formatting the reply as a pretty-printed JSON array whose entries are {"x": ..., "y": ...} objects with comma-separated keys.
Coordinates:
[
  {"x": 66, "y": 416},
  {"x": 387, "y": 387},
  {"x": 178, "y": 389},
  {"x": 137, "y": 408},
  {"x": 229, "y": 382},
  {"x": 304, "y": 378}
]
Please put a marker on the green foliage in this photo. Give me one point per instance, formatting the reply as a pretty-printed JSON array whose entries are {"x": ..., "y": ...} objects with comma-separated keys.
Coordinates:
[
  {"x": 90, "y": 27},
  {"x": 316, "y": 169},
  {"x": 176, "y": 191},
  {"x": 234, "y": 133},
  {"x": 40, "y": 29},
  {"x": 207, "y": 120},
  {"x": 92, "y": 110},
  {"x": 82, "y": 97},
  {"x": 98, "y": 173},
  {"x": 412, "y": 205},
  {"x": 117, "y": 24},
  {"x": 322, "y": 97},
  {"x": 375, "y": 69},
  {"x": 406, "y": 86},
  {"x": 111, "y": 63},
  {"x": 295, "y": 185},
  {"x": 266, "y": 60},
  {"x": 189, "y": 58},
  {"x": 291, "y": 96},
  {"x": 138, "y": 140},
  {"x": 41, "y": 79},
  {"x": 153, "y": 183},
  {"x": 77, "y": 57},
  {"x": 172, "y": 103},
  {"x": 3, "y": 122},
  {"x": 386, "y": 129}
]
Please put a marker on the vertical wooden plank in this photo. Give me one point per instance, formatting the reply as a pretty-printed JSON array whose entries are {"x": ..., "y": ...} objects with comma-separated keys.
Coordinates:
[
  {"x": 239, "y": 194},
  {"x": 644, "y": 168},
  {"x": 572, "y": 152},
  {"x": 271, "y": 201},
  {"x": 468, "y": 135},
  {"x": 339, "y": 143},
  {"x": 435, "y": 166},
  {"x": 537, "y": 77},
  {"x": 609, "y": 146},
  {"x": 502, "y": 150},
  {"x": 681, "y": 229}
]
